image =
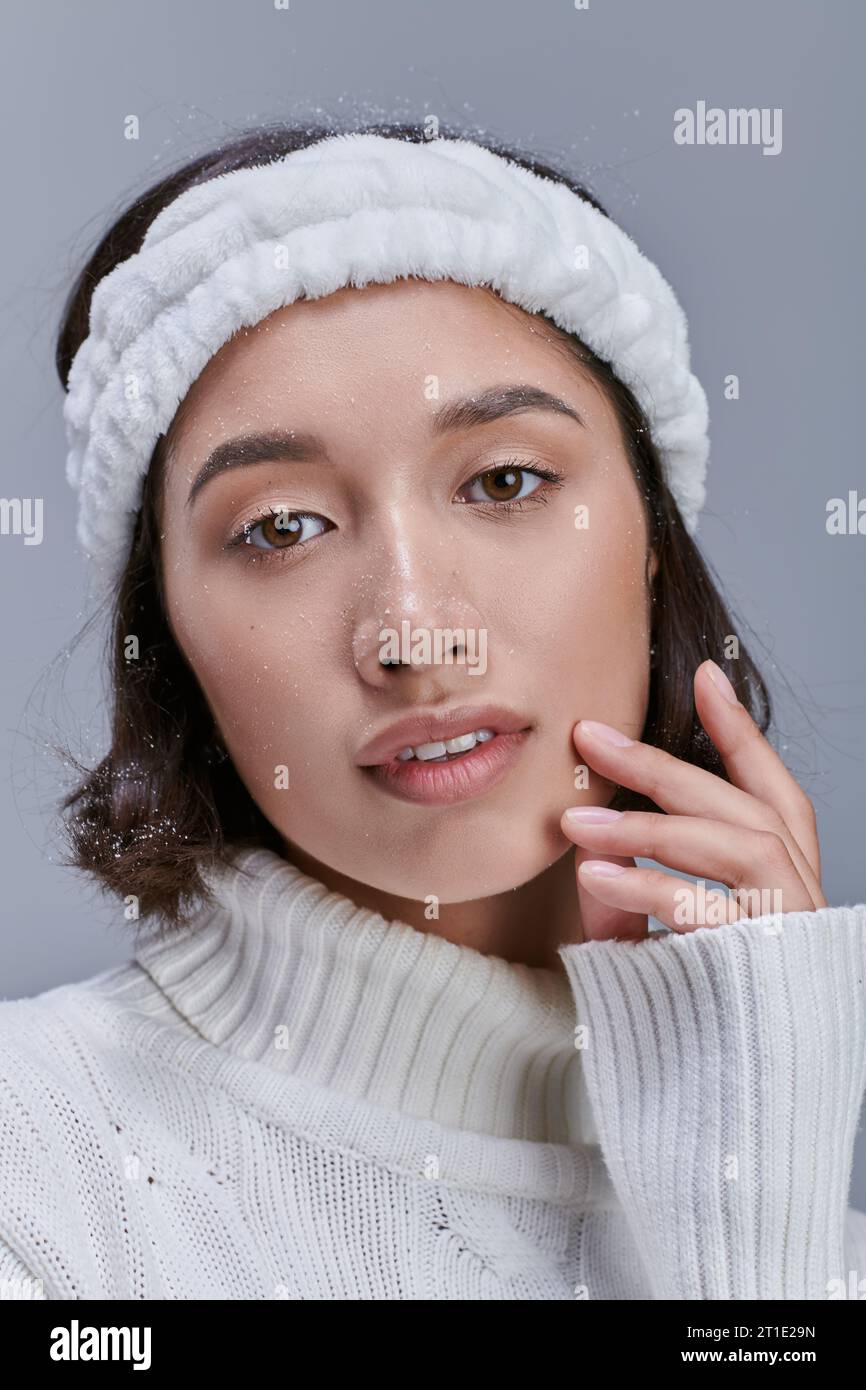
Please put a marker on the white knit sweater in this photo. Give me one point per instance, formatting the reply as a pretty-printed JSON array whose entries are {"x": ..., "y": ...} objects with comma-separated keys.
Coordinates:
[{"x": 294, "y": 1098}]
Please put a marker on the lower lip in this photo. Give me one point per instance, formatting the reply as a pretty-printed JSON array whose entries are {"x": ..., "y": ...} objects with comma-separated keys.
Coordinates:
[{"x": 443, "y": 784}]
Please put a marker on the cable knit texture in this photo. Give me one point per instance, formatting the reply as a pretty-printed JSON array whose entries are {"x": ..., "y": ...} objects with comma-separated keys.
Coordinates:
[
  {"x": 294, "y": 1098},
  {"x": 358, "y": 209}
]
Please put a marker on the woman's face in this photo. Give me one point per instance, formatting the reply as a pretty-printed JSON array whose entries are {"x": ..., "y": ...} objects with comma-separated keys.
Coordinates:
[{"x": 402, "y": 560}]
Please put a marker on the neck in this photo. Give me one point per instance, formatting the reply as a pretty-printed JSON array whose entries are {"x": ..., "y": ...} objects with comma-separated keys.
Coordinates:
[
  {"x": 282, "y": 972},
  {"x": 495, "y": 926}
]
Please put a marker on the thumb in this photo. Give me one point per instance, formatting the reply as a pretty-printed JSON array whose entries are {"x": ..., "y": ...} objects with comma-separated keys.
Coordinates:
[{"x": 599, "y": 921}]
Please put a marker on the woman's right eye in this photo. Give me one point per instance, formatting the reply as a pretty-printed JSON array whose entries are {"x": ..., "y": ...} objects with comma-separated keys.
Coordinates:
[{"x": 279, "y": 529}]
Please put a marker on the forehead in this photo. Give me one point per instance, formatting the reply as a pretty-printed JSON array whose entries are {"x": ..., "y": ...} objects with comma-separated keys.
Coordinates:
[{"x": 395, "y": 346}]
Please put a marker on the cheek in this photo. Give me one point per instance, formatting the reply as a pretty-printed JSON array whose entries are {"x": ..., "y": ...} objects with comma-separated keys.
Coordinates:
[
  {"x": 583, "y": 606},
  {"x": 587, "y": 632},
  {"x": 253, "y": 661}
]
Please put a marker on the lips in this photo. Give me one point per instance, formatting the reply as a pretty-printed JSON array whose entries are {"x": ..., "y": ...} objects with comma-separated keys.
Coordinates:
[
  {"x": 438, "y": 727},
  {"x": 459, "y": 779}
]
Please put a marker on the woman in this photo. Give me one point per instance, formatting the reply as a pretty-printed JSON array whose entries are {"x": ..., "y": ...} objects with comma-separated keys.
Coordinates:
[{"x": 389, "y": 460}]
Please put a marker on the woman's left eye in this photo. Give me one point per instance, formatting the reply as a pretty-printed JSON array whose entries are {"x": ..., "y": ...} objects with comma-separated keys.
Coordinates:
[{"x": 512, "y": 482}]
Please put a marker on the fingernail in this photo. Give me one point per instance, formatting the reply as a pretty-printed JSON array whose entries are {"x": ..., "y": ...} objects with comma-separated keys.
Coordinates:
[
  {"x": 722, "y": 684},
  {"x": 602, "y": 868},
  {"x": 591, "y": 815},
  {"x": 606, "y": 733}
]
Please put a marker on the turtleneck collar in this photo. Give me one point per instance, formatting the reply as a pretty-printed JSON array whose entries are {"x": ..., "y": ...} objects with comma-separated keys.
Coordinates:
[{"x": 283, "y": 971}]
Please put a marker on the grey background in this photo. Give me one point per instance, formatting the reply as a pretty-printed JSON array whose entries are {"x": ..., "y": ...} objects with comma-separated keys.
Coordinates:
[{"x": 766, "y": 254}]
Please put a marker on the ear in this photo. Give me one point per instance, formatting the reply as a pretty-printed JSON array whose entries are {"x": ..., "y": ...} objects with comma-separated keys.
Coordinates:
[{"x": 652, "y": 566}]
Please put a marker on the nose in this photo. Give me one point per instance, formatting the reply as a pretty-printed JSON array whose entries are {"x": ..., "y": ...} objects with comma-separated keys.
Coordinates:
[{"x": 415, "y": 623}]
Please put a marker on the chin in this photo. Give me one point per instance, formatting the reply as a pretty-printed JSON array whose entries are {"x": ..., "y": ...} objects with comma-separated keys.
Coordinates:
[{"x": 474, "y": 868}]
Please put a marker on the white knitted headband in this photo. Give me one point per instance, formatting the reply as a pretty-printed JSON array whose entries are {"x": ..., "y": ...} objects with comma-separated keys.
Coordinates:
[{"x": 350, "y": 210}]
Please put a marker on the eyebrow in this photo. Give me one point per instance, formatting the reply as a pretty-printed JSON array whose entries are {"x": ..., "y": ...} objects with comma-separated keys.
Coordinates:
[{"x": 292, "y": 446}]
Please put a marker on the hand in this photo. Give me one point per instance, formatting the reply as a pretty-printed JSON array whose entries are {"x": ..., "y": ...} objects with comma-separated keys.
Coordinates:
[{"x": 756, "y": 834}]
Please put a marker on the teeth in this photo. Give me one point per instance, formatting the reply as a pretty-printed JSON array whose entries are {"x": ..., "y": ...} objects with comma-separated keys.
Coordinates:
[
  {"x": 437, "y": 752},
  {"x": 426, "y": 752},
  {"x": 461, "y": 744}
]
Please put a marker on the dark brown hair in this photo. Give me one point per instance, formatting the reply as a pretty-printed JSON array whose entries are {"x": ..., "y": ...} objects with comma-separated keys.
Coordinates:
[{"x": 162, "y": 802}]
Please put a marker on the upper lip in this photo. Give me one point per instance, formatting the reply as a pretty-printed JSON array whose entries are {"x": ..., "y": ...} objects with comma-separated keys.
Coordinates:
[{"x": 439, "y": 725}]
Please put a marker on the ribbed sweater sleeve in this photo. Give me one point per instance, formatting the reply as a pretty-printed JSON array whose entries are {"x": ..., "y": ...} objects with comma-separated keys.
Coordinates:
[{"x": 726, "y": 1068}]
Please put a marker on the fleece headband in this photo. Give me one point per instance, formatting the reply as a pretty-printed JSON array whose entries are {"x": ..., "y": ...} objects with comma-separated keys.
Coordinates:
[{"x": 350, "y": 210}]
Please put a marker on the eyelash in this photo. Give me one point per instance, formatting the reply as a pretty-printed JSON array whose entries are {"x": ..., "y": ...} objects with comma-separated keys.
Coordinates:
[{"x": 553, "y": 477}]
